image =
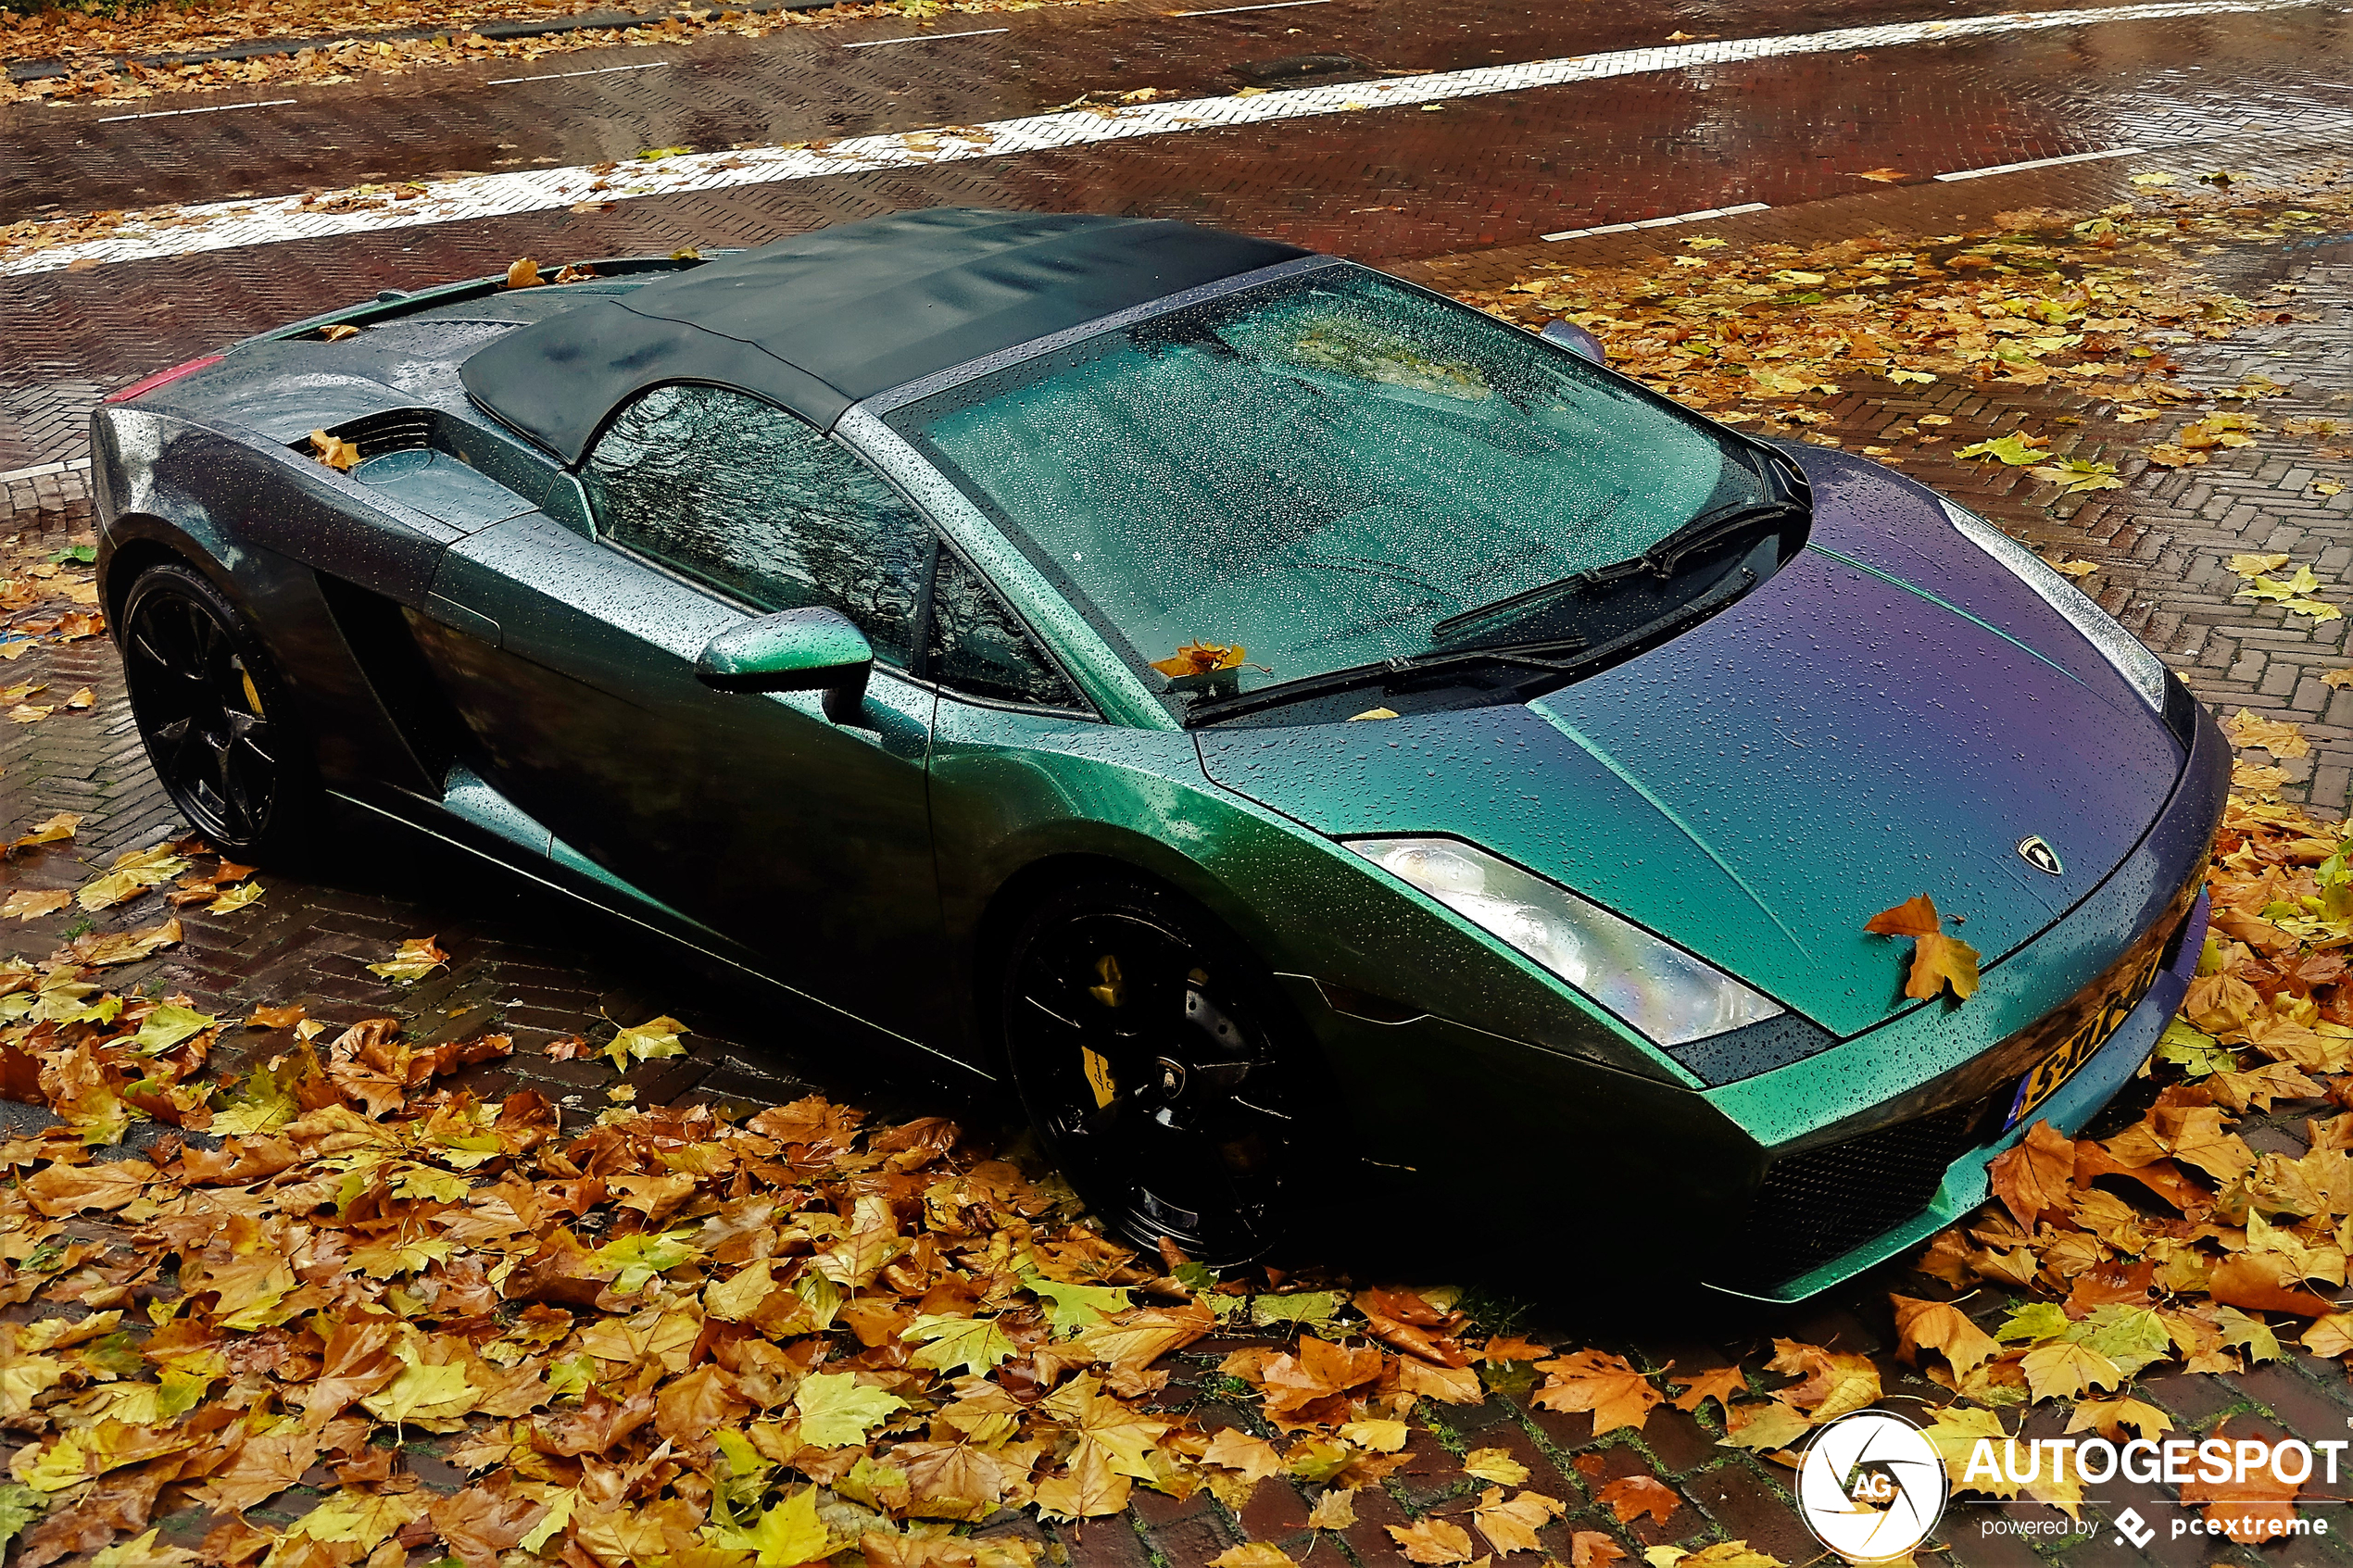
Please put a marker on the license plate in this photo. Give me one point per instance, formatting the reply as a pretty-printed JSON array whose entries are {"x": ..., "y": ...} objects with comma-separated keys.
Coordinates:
[{"x": 2084, "y": 1044}]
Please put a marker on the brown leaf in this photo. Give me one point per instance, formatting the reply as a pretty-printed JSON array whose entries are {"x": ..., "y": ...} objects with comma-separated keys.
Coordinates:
[
  {"x": 1451, "y": 1385},
  {"x": 1605, "y": 1385},
  {"x": 334, "y": 451},
  {"x": 1591, "y": 1549},
  {"x": 1252, "y": 1554},
  {"x": 358, "y": 1362},
  {"x": 1631, "y": 1497},
  {"x": 524, "y": 274},
  {"x": 1233, "y": 1448},
  {"x": 1938, "y": 1326},
  {"x": 691, "y": 1409},
  {"x": 1914, "y": 916},
  {"x": 261, "y": 1469},
  {"x": 126, "y": 946},
  {"x": 72, "y": 1189},
  {"x": 1512, "y": 1526},
  {"x": 2254, "y": 1284},
  {"x": 1831, "y": 1383},
  {"x": 2250, "y": 1510},
  {"x": 601, "y": 1424},
  {"x": 1718, "y": 1384},
  {"x": 1939, "y": 961},
  {"x": 2034, "y": 1176},
  {"x": 1432, "y": 1540}
]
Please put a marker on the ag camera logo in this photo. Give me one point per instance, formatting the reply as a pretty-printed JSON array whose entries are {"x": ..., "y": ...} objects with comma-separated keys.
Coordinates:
[{"x": 1871, "y": 1487}]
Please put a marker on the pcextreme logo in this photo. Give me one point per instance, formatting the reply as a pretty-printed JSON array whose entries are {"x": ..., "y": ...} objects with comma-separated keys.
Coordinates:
[{"x": 1871, "y": 1487}]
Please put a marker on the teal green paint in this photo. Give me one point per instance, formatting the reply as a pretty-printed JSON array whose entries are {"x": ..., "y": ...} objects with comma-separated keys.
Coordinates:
[
  {"x": 791, "y": 651},
  {"x": 1627, "y": 777}
]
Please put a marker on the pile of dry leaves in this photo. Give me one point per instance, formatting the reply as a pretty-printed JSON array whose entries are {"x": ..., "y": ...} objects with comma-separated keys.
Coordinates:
[
  {"x": 656, "y": 1336},
  {"x": 106, "y": 53},
  {"x": 667, "y": 1338},
  {"x": 46, "y": 599},
  {"x": 2091, "y": 302}
]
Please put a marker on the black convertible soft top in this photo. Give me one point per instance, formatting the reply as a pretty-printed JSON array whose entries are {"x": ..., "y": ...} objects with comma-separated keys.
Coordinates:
[{"x": 819, "y": 320}]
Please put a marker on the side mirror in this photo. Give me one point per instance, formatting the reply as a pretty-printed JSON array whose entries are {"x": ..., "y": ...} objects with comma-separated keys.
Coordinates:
[
  {"x": 793, "y": 650},
  {"x": 1577, "y": 340}
]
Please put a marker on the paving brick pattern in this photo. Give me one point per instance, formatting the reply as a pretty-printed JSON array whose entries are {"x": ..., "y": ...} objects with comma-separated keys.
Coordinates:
[{"x": 1474, "y": 177}]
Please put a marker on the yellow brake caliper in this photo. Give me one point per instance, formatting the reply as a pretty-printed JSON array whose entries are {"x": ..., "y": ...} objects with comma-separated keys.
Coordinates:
[{"x": 1111, "y": 990}]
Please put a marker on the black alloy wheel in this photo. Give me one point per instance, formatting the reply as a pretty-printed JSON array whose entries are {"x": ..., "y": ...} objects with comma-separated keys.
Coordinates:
[
  {"x": 211, "y": 711},
  {"x": 1143, "y": 1042}
]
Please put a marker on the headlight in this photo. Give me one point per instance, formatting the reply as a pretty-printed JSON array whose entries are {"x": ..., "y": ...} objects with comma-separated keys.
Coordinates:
[
  {"x": 1658, "y": 988},
  {"x": 2120, "y": 648}
]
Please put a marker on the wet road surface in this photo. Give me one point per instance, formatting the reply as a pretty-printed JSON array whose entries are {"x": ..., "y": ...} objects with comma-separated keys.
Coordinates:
[{"x": 1459, "y": 193}]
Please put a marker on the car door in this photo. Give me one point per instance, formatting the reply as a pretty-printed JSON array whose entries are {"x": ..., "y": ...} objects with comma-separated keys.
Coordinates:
[
  {"x": 1003, "y": 706},
  {"x": 806, "y": 840}
]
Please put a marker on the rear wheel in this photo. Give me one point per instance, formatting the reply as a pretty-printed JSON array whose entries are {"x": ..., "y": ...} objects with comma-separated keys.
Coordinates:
[
  {"x": 214, "y": 715},
  {"x": 1147, "y": 1047}
]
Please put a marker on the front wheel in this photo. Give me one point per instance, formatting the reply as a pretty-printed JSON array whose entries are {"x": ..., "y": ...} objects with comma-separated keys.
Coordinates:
[
  {"x": 214, "y": 716},
  {"x": 1147, "y": 1048}
]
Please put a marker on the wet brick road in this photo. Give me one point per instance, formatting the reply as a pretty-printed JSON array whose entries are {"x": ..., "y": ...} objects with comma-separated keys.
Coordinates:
[{"x": 1457, "y": 196}]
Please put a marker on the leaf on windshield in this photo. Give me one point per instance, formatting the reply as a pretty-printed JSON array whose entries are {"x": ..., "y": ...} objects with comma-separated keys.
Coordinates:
[
  {"x": 1373, "y": 713},
  {"x": 1375, "y": 354},
  {"x": 1199, "y": 658},
  {"x": 1938, "y": 960}
]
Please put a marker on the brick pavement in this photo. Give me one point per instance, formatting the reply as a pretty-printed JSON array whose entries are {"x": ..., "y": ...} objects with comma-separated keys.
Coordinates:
[{"x": 532, "y": 966}]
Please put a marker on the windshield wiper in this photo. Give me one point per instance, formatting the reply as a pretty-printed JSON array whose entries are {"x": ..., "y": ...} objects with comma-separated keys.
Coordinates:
[
  {"x": 1663, "y": 559},
  {"x": 1666, "y": 557},
  {"x": 1552, "y": 657}
]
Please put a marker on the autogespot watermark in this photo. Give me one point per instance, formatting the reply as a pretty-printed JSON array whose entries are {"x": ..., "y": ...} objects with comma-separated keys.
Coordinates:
[
  {"x": 2215, "y": 1464},
  {"x": 1871, "y": 1487}
]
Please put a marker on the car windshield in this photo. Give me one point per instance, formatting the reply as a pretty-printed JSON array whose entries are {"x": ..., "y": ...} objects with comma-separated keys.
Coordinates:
[{"x": 1312, "y": 474}]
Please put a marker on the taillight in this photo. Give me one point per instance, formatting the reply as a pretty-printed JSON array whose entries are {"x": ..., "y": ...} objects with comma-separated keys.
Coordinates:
[{"x": 160, "y": 379}]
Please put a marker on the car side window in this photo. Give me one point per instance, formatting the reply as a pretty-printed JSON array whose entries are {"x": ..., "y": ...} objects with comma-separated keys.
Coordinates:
[
  {"x": 978, "y": 648},
  {"x": 741, "y": 495}
]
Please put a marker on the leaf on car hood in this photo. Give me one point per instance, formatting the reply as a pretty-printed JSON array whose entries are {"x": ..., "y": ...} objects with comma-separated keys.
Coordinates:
[{"x": 1938, "y": 961}]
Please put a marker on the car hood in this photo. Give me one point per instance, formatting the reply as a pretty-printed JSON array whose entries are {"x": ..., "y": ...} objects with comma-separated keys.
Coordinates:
[{"x": 1892, "y": 713}]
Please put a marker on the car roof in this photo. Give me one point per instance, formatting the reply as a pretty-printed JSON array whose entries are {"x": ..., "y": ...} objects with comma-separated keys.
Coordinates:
[{"x": 819, "y": 321}]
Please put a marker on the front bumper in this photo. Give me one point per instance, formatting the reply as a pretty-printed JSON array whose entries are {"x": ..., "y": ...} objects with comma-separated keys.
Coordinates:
[
  {"x": 1856, "y": 1190},
  {"x": 1966, "y": 1183},
  {"x": 1468, "y": 1138}
]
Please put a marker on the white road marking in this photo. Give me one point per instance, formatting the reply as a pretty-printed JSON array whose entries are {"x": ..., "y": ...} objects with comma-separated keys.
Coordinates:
[
  {"x": 166, "y": 114},
  {"x": 1271, "y": 6},
  {"x": 1663, "y": 222},
  {"x": 42, "y": 470},
  {"x": 926, "y": 37},
  {"x": 2039, "y": 163},
  {"x": 224, "y": 225},
  {"x": 567, "y": 75}
]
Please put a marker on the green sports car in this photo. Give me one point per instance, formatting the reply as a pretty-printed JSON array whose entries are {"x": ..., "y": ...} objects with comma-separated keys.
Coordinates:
[{"x": 1324, "y": 747}]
